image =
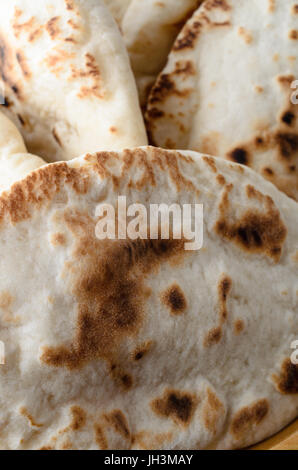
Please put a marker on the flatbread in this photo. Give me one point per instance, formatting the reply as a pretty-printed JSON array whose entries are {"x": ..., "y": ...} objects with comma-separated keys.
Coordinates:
[
  {"x": 118, "y": 8},
  {"x": 68, "y": 81},
  {"x": 226, "y": 89},
  {"x": 149, "y": 29},
  {"x": 15, "y": 161},
  {"x": 139, "y": 344}
]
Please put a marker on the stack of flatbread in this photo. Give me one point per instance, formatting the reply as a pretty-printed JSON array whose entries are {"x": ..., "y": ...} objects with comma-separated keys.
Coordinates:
[{"x": 140, "y": 343}]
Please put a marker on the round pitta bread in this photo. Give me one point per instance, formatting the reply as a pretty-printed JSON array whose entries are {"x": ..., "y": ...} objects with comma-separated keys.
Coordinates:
[
  {"x": 67, "y": 77},
  {"x": 15, "y": 162},
  {"x": 149, "y": 29},
  {"x": 226, "y": 89},
  {"x": 139, "y": 344}
]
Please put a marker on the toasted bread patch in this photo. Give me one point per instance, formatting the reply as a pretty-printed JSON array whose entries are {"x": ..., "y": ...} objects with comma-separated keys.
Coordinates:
[
  {"x": 174, "y": 299},
  {"x": 177, "y": 405},
  {"x": 248, "y": 417},
  {"x": 287, "y": 382}
]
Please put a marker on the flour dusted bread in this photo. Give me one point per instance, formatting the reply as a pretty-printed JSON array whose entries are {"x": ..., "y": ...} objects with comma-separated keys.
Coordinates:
[
  {"x": 149, "y": 29},
  {"x": 67, "y": 77},
  {"x": 226, "y": 89},
  {"x": 15, "y": 161},
  {"x": 122, "y": 344}
]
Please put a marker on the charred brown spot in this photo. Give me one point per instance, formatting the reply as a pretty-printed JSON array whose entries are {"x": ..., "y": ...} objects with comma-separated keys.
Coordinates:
[
  {"x": 287, "y": 143},
  {"x": 285, "y": 80},
  {"x": 6, "y": 67},
  {"x": 293, "y": 34},
  {"x": 287, "y": 382},
  {"x": 288, "y": 118},
  {"x": 25, "y": 27},
  {"x": 127, "y": 381},
  {"x": 58, "y": 239},
  {"x": 295, "y": 9},
  {"x": 92, "y": 73},
  {"x": 35, "y": 34},
  {"x": 69, "y": 5},
  {"x": 224, "y": 288},
  {"x": 213, "y": 337},
  {"x": 239, "y": 155},
  {"x": 110, "y": 290},
  {"x": 92, "y": 69},
  {"x": 73, "y": 24},
  {"x": 271, "y": 6},
  {"x": 24, "y": 412},
  {"x": 70, "y": 39},
  {"x": 248, "y": 417},
  {"x": 247, "y": 36},
  {"x": 256, "y": 231},
  {"x": 221, "y": 179},
  {"x": 174, "y": 299},
  {"x": 259, "y": 141},
  {"x": 268, "y": 171},
  {"x": 100, "y": 437},
  {"x": 142, "y": 350},
  {"x": 120, "y": 377},
  {"x": 154, "y": 113},
  {"x": 184, "y": 67},
  {"x": 21, "y": 199},
  {"x": 212, "y": 411},
  {"x": 118, "y": 422},
  {"x": 188, "y": 37},
  {"x": 238, "y": 326},
  {"x": 179, "y": 406},
  {"x": 163, "y": 88},
  {"x": 220, "y": 4},
  {"x": 52, "y": 27},
  {"x": 23, "y": 64},
  {"x": 138, "y": 355},
  {"x": 79, "y": 418},
  {"x": 211, "y": 163},
  {"x": 56, "y": 60}
]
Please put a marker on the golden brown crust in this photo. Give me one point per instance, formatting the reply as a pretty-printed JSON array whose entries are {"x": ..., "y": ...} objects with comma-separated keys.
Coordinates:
[{"x": 38, "y": 188}]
